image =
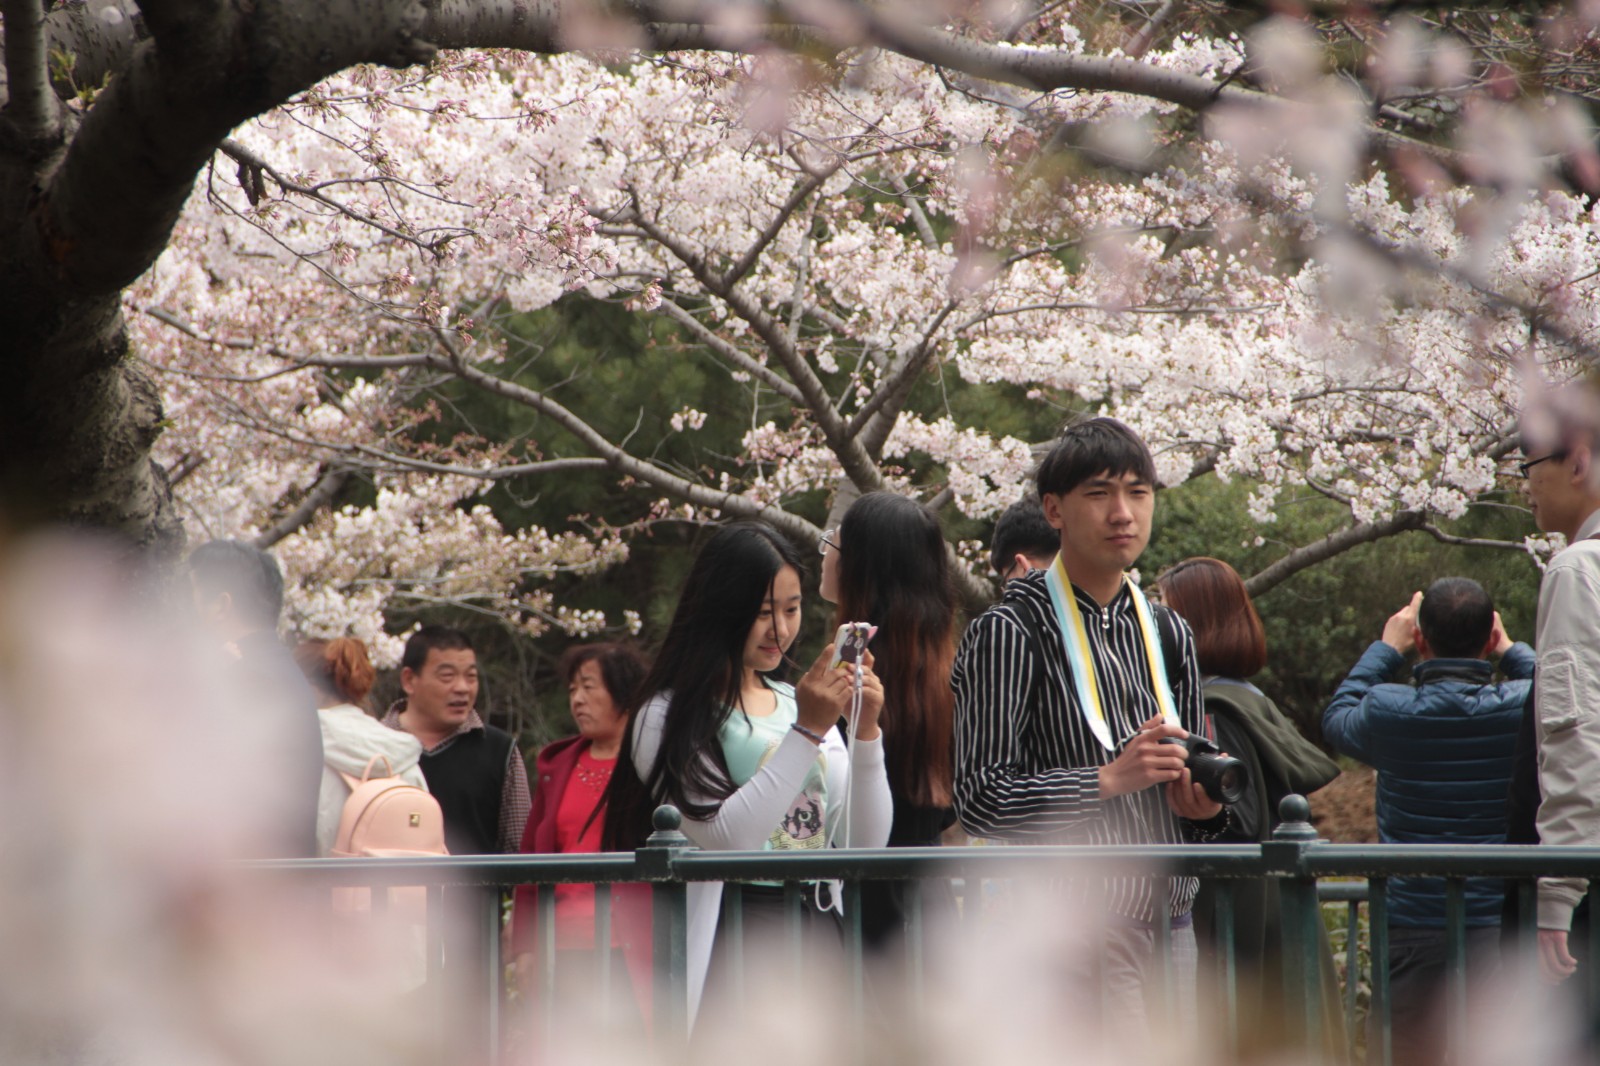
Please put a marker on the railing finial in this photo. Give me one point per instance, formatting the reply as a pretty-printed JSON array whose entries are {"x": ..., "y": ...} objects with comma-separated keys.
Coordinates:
[
  {"x": 1294, "y": 814},
  {"x": 667, "y": 821}
]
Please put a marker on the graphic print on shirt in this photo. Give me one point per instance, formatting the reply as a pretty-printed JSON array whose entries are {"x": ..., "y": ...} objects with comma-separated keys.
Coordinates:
[{"x": 803, "y": 828}]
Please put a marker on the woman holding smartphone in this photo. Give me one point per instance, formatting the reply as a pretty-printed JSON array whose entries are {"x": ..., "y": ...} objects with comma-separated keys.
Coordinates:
[
  {"x": 753, "y": 763},
  {"x": 886, "y": 564}
]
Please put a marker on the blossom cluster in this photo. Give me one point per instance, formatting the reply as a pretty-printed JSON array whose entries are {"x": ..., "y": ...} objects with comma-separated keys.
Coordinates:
[{"x": 1245, "y": 300}]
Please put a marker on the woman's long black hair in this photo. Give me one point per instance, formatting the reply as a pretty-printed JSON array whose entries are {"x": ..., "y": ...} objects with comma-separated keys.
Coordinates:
[
  {"x": 701, "y": 663},
  {"x": 894, "y": 572}
]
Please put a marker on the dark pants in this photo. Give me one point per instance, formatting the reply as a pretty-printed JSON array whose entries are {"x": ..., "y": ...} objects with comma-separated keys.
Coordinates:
[
  {"x": 1417, "y": 985},
  {"x": 768, "y": 945}
]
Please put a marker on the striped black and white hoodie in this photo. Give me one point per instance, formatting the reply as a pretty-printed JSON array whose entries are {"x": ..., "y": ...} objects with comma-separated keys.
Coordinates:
[{"x": 1027, "y": 766}]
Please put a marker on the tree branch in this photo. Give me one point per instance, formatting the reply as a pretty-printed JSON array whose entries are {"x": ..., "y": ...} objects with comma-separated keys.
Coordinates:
[
  {"x": 713, "y": 340},
  {"x": 606, "y": 452},
  {"x": 752, "y": 255},
  {"x": 322, "y": 493},
  {"x": 892, "y": 392},
  {"x": 1329, "y": 546},
  {"x": 1047, "y": 70},
  {"x": 1471, "y": 542},
  {"x": 857, "y": 464},
  {"x": 29, "y": 103}
]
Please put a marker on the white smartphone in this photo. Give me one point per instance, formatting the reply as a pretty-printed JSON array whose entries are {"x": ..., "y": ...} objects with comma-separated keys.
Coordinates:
[{"x": 850, "y": 642}]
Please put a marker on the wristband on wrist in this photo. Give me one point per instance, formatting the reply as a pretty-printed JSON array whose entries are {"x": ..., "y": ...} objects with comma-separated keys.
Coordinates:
[{"x": 808, "y": 734}]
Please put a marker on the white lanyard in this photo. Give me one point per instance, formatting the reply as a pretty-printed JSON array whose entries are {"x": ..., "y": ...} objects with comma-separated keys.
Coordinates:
[{"x": 1075, "y": 640}]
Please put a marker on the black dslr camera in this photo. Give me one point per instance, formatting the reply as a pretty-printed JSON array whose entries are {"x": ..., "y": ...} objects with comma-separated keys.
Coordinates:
[{"x": 1222, "y": 776}]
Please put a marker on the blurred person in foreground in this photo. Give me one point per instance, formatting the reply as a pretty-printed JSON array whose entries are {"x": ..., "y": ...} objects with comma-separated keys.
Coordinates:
[
  {"x": 568, "y": 814},
  {"x": 1066, "y": 692},
  {"x": 237, "y": 591},
  {"x": 1230, "y": 647},
  {"x": 1442, "y": 748},
  {"x": 342, "y": 675}
]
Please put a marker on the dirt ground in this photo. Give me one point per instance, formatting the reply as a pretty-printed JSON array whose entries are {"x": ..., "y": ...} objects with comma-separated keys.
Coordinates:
[{"x": 1343, "y": 810}]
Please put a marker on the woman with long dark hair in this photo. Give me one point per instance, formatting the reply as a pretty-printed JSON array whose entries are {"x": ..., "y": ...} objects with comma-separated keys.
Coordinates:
[
  {"x": 752, "y": 762},
  {"x": 886, "y": 564}
]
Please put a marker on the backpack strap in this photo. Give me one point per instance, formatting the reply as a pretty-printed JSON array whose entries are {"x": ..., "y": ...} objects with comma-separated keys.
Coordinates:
[
  {"x": 1035, "y": 647},
  {"x": 367, "y": 774},
  {"x": 1167, "y": 628}
]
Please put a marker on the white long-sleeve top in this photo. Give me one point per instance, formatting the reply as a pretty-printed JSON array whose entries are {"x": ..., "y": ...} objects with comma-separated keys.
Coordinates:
[
  {"x": 350, "y": 738},
  {"x": 761, "y": 813}
]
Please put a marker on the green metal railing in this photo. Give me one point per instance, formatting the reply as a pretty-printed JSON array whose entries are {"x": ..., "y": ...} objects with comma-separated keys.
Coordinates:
[{"x": 1302, "y": 866}]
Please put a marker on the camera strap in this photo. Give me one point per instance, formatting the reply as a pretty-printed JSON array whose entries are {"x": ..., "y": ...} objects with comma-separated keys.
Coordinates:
[
  {"x": 835, "y": 890},
  {"x": 1080, "y": 656}
]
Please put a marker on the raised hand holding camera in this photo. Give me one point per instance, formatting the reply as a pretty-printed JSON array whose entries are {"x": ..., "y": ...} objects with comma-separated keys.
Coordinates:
[
  {"x": 827, "y": 691},
  {"x": 850, "y": 642}
]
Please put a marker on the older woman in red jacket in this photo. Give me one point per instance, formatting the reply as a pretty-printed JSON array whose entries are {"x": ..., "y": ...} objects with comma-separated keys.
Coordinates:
[{"x": 570, "y": 779}]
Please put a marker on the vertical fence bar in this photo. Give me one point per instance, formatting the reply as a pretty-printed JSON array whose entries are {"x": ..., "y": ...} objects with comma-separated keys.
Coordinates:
[
  {"x": 669, "y": 913},
  {"x": 856, "y": 968},
  {"x": 733, "y": 899},
  {"x": 440, "y": 997},
  {"x": 1302, "y": 919},
  {"x": 602, "y": 944},
  {"x": 1228, "y": 960},
  {"x": 1378, "y": 923},
  {"x": 794, "y": 928},
  {"x": 1352, "y": 971},
  {"x": 915, "y": 939},
  {"x": 493, "y": 917},
  {"x": 1593, "y": 953},
  {"x": 1527, "y": 911},
  {"x": 1169, "y": 976},
  {"x": 1455, "y": 963},
  {"x": 1099, "y": 894},
  {"x": 545, "y": 916}
]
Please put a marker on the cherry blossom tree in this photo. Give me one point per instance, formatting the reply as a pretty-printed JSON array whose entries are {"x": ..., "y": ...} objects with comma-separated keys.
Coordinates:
[{"x": 1324, "y": 279}]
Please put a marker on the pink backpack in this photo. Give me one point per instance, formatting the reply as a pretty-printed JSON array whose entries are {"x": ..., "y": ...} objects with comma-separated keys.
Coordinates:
[{"x": 387, "y": 818}]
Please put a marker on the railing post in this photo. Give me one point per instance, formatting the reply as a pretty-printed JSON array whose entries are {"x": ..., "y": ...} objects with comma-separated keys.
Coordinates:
[
  {"x": 656, "y": 862},
  {"x": 1287, "y": 854}
]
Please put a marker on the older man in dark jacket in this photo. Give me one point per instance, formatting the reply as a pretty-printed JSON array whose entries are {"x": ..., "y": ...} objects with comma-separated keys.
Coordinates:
[{"x": 1442, "y": 748}]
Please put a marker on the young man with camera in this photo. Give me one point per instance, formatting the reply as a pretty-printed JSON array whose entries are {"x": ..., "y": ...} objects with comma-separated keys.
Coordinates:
[{"x": 1067, "y": 695}]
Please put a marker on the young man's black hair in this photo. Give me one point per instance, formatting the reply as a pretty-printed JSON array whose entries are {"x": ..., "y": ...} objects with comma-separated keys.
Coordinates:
[
  {"x": 1094, "y": 446},
  {"x": 1022, "y": 529}
]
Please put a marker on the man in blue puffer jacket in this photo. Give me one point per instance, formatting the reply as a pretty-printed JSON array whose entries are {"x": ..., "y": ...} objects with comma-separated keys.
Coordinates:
[{"x": 1442, "y": 748}]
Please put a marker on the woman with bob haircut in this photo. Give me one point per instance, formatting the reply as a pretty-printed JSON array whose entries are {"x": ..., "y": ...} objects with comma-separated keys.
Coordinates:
[
  {"x": 886, "y": 564},
  {"x": 752, "y": 762},
  {"x": 1231, "y": 646}
]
